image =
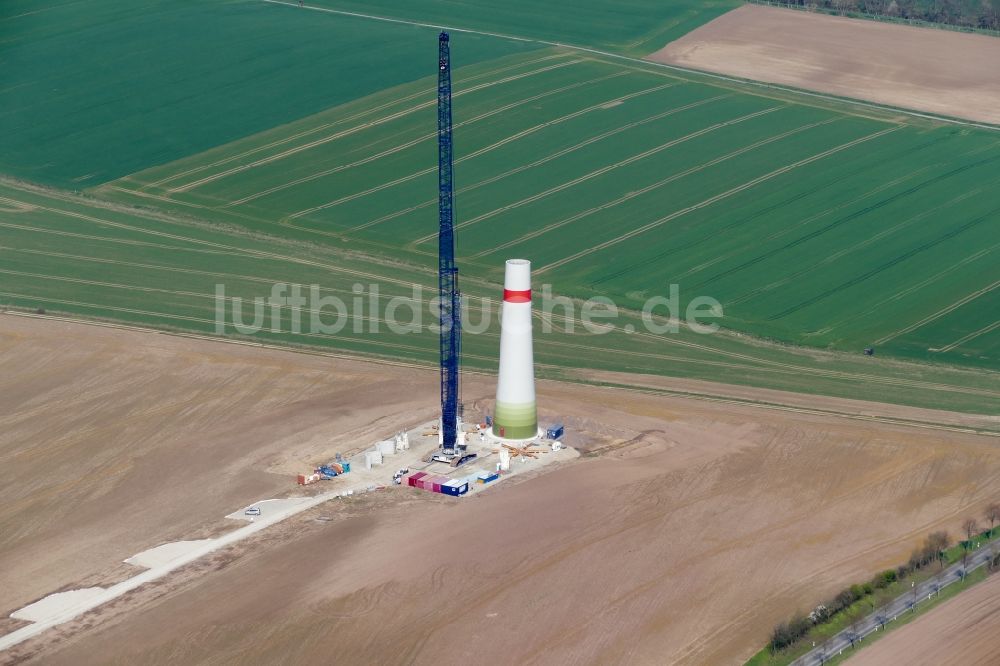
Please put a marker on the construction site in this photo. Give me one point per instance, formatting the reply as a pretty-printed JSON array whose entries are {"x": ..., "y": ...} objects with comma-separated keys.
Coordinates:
[
  {"x": 447, "y": 456},
  {"x": 172, "y": 495}
]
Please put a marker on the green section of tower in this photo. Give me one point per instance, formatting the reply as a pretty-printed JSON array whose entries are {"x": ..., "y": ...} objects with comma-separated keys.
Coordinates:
[{"x": 515, "y": 421}]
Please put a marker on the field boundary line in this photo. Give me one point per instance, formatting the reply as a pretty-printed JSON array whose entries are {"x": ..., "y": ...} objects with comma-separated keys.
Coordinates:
[
  {"x": 940, "y": 313},
  {"x": 709, "y": 397},
  {"x": 325, "y": 126},
  {"x": 358, "y": 128},
  {"x": 719, "y": 197},
  {"x": 603, "y": 170},
  {"x": 654, "y": 64},
  {"x": 631, "y": 195}
]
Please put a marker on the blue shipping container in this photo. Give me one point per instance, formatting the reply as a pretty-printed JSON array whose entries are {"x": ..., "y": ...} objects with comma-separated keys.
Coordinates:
[{"x": 455, "y": 488}]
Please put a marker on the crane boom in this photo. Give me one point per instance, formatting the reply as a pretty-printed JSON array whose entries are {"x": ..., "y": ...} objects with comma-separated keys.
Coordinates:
[{"x": 449, "y": 298}]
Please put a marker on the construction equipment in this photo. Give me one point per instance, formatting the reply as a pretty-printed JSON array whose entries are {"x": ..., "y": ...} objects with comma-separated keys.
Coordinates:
[
  {"x": 462, "y": 459},
  {"x": 449, "y": 296}
]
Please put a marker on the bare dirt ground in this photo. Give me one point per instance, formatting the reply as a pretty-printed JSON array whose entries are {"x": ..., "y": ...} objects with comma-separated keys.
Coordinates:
[
  {"x": 112, "y": 442},
  {"x": 964, "y": 630},
  {"x": 936, "y": 71},
  {"x": 688, "y": 530}
]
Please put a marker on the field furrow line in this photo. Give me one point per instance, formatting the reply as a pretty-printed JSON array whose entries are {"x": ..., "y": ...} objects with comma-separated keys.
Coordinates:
[
  {"x": 473, "y": 155},
  {"x": 106, "y": 239},
  {"x": 940, "y": 313},
  {"x": 903, "y": 293},
  {"x": 971, "y": 336},
  {"x": 871, "y": 240},
  {"x": 842, "y": 221},
  {"x": 819, "y": 372},
  {"x": 245, "y": 251},
  {"x": 812, "y": 300},
  {"x": 552, "y": 156},
  {"x": 649, "y": 188},
  {"x": 716, "y": 198},
  {"x": 603, "y": 170}
]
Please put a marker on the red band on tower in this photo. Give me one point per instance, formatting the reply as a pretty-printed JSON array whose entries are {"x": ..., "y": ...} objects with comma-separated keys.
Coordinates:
[{"x": 512, "y": 296}]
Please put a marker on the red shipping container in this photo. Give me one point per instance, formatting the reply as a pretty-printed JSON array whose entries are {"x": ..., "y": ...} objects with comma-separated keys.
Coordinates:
[{"x": 302, "y": 479}]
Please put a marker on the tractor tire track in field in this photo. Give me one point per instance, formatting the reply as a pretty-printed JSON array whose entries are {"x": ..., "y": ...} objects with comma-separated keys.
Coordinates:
[
  {"x": 886, "y": 265},
  {"x": 832, "y": 258},
  {"x": 909, "y": 290},
  {"x": 825, "y": 185},
  {"x": 603, "y": 170},
  {"x": 409, "y": 144},
  {"x": 971, "y": 336},
  {"x": 844, "y": 220},
  {"x": 490, "y": 304},
  {"x": 649, "y": 188},
  {"x": 801, "y": 370},
  {"x": 244, "y": 251},
  {"x": 200, "y": 320},
  {"x": 358, "y": 128},
  {"x": 482, "y": 151},
  {"x": 341, "y": 121},
  {"x": 212, "y": 274},
  {"x": 711, "y": 200},
  {"x": 940, "y": 313},
  {"x": 552, "y": 156},
  {"x": 820, "y": 372},
  {"x": 121, "y": 241}
]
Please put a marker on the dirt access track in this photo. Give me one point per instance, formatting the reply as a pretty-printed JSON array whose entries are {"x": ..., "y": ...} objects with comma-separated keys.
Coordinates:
[
  {"x": 964, "y": 630},
  {"x": 682, "y": 535},
  {"x": 923, "y": 69}
]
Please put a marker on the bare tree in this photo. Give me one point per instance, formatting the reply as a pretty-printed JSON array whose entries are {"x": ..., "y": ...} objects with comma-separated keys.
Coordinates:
[
  {"x": 971, "y": 528},
  {"x": 936, "y": 545},
  {"x": 992, "y": 514}
]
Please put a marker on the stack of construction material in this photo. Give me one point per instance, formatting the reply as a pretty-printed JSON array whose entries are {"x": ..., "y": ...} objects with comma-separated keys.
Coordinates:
[
  {"x": 373, "y": 458},
  {"x": 438, "y": 484},
  {"x": 305, "y": 480}
]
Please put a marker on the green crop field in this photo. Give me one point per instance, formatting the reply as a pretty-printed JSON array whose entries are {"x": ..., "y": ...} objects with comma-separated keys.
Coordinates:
[
  {"x": 635, "y": 27},
  {"x": 90, "y": 91},
  {"x": 69, "y": 254},
  {"x": 812, "y": 226},
  {"x": 306, "y": 154}
]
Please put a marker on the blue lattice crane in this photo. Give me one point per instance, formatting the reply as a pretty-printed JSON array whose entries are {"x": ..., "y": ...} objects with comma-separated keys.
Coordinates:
[{"x": 450, "y": 298}]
